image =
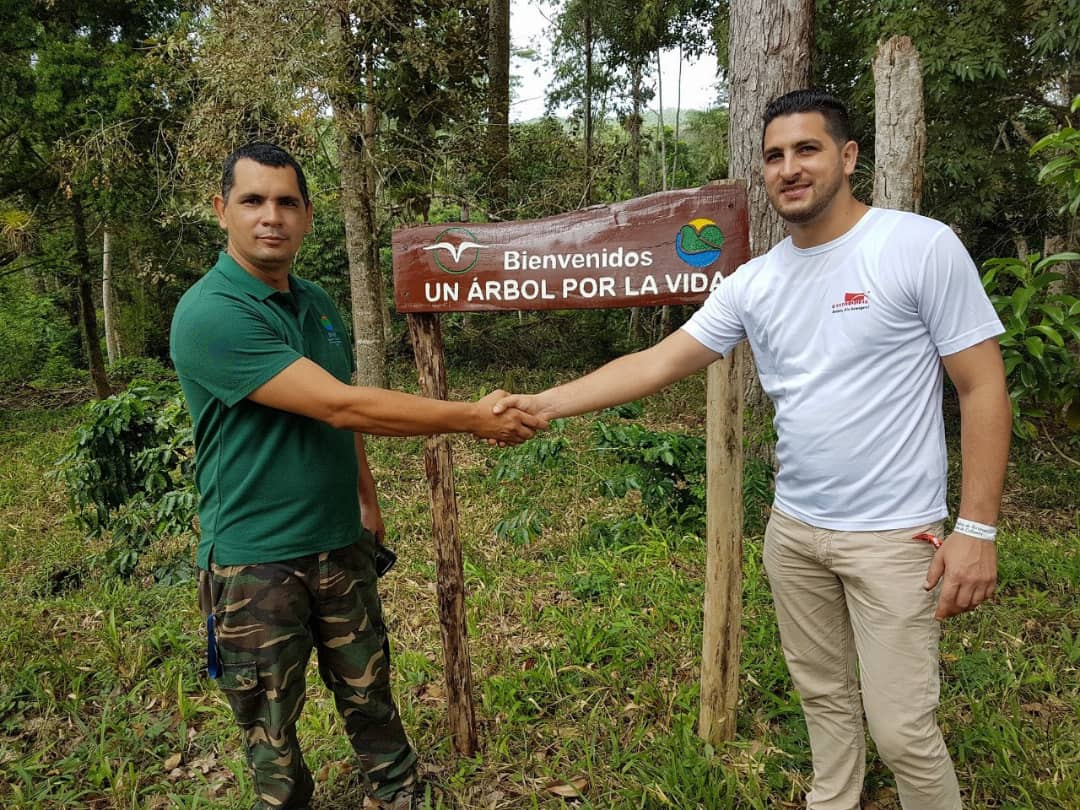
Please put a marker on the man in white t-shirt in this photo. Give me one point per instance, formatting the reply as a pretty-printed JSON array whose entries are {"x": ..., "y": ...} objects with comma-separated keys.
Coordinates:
[{"x": 851, "y": 320}]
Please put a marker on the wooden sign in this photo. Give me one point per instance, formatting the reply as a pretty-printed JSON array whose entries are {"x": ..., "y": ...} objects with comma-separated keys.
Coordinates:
[{"x": 668, "y": 248}]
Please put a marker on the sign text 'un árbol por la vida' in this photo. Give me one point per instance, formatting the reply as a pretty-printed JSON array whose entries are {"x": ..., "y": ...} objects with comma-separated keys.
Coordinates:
[{"x": 668, "y": 248}]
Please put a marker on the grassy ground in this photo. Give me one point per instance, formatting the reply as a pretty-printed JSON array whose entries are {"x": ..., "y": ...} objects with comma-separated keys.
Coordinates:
[{"x": 585, "y": 632}]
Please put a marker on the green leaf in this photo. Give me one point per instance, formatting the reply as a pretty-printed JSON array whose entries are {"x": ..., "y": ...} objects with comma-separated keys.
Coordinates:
[
  {"x": 1021, "y": 297},
  {"x": 1056, "y": 313},
  {"x": 1056, "y": 258},
  {"x": 1052, "y": 334},
  {"x": 1027, "y": 376}
]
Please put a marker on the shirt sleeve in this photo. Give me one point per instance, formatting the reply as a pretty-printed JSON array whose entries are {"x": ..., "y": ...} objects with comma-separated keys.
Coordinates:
[
  {"x": 227, "y": 347},
  {"x": 951, "y": 300},
  {"x": 717, "y": 325}
]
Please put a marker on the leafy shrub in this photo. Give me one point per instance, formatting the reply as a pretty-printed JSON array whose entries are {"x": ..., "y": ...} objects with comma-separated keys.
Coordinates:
[
  {"x": 1042, "y": 338},
  {"x": 57, "y": 372},
  {"x": 1063, "y": 170},
  {"x": 521, "y": 528},
  {"x": 668, "y": 469},
  {"x": 147, "y": 369},
  {"x": 757, "y": 490},
  {"x": 541, "y": 453},
  {"x": 34, "y": 335},
  {"x": 130, "y": 471}
]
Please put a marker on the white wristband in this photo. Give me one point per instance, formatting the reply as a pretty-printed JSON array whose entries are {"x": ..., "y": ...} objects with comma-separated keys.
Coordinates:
[{"x": 980, "y": 531}]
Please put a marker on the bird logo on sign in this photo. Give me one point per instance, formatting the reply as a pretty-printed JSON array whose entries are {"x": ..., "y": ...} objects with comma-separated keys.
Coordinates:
[{"x": 456, "y": 243}]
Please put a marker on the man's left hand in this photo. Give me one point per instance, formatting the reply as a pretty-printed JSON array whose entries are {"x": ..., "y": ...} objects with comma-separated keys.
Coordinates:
[
  {"x": 371, "y": 518},
  {"x": 969, "y": 567}
]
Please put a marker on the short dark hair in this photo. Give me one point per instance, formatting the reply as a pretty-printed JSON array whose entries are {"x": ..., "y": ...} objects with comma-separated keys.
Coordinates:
[
  {"x": 811, "y": 100},
  {"x": 268, "y": 154}
]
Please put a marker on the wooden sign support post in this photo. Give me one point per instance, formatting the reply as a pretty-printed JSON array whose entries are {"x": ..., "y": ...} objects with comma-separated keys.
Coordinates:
[
  {"x": 439, "y": 466},
  {"x": 669, "y": 248},
  {"x": 723, "y": 565}
]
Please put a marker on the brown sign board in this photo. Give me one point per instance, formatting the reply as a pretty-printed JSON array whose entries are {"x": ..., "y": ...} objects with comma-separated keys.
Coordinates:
[{"x": 673, "y": 247}]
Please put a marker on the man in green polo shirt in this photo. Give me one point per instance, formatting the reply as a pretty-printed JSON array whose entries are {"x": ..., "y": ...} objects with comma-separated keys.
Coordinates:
[{"x": 289, "y": 516}]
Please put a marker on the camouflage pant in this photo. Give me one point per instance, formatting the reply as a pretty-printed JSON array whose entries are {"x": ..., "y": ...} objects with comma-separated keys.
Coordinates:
[{"x": 268, "y": 617}]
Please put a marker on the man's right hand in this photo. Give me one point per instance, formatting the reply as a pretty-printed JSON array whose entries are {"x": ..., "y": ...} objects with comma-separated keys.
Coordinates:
[
  {"x": 504, "y": 425},
  {"x": 536, "y": 404}
]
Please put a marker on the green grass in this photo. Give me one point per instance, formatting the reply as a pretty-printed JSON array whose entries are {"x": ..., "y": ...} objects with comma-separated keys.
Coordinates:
[{"x": 585, "y": 633}]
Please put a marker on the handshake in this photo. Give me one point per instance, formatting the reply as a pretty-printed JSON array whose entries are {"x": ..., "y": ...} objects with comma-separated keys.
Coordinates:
[{"x": 505, "y": 419}]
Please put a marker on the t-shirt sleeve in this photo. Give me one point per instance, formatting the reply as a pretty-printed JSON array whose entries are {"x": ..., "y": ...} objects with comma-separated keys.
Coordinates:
[
  {"x": 952, "y": 303},
  {"x": 227, "y": 348},
  {"x": 717, "y": 325}
]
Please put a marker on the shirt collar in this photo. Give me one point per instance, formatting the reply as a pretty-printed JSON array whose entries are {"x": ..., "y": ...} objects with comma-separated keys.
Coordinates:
[{"x": 259, "y": 290}]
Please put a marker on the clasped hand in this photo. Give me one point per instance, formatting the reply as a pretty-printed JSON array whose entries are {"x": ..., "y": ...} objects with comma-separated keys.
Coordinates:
[{"x": 504, "y": 426}]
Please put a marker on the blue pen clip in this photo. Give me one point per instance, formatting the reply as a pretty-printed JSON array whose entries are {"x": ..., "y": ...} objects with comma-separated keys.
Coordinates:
[{"x": 213, "y": 661}]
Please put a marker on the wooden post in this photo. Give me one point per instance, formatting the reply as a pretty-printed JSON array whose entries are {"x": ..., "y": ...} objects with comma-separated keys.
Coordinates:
[
  {"x": 439, "y": 464},
  {"x": 723, "y": 566}
]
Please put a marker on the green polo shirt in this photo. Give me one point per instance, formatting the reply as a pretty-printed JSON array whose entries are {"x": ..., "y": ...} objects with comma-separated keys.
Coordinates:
[{"x": 273, "y": 485}]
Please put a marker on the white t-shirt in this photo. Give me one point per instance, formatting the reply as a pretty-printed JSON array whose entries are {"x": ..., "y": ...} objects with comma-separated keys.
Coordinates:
[{"x": 847, "y": 338}]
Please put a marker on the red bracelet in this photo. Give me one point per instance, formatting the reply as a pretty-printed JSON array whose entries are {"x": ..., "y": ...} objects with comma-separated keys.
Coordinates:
[{"x": 927, "y": 537}]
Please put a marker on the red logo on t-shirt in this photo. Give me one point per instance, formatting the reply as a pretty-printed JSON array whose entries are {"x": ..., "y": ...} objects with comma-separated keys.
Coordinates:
[{"x": 853, "y": 301}]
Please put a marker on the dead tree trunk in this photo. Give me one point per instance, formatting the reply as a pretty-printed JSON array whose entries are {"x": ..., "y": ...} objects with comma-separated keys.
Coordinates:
[
  {"x": 899, "y": 125},
  {"x": 771, "y": 45},
  {"x": 108, "y": 299}
]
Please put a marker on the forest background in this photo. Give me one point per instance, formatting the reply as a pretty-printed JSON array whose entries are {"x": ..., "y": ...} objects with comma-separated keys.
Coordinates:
[{"x": 584, "y": 558}]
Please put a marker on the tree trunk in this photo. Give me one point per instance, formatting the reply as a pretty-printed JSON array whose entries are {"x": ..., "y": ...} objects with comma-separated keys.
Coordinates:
[
  {"x": 634, "y": 125},
  {"x": 355, "y": 141},
  {"x": 498, "y": 129},
  {"x": 1070, "y": 283},
  {"x": 108, "y": 302},
  {"x": 87, "y": 310},
  {"x": 678, "y": 114},
  {"x": 899, "y": 124},
  {"x": 1021, "y": 244},
  {"x": 371, "y": 129},
  {"x": 771, "y": 44},
  {"x": 660, "y": 122},
  {"x": 588, "y": 107}
]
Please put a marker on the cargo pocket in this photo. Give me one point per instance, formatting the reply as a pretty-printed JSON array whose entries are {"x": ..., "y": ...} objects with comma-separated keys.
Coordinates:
[{"x": 244, "y": 691}]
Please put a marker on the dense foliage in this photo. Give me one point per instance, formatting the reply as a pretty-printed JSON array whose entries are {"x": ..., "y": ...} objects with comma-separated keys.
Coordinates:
[{"x": 129, "y": 472}]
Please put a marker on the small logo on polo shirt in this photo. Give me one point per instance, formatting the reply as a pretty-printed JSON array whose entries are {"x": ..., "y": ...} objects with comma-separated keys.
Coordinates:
[
  {"x": 331, "y": 334},
  {"x": 853, "y": 301}
]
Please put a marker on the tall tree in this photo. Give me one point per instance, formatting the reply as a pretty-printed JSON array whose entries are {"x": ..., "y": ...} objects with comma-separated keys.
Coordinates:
[
  {"x": 78, "y": 124},
  {"x": 993, "y": 75},
  {"x": 398, "y": 75},
  {"x": 900, "y": 125},
  {"x": 771, "y": 43},
  {"x": 498, "y": 127}
]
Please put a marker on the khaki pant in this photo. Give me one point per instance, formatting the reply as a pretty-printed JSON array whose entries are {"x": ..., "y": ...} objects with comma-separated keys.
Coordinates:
[{"x": 852, "y": 604}]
